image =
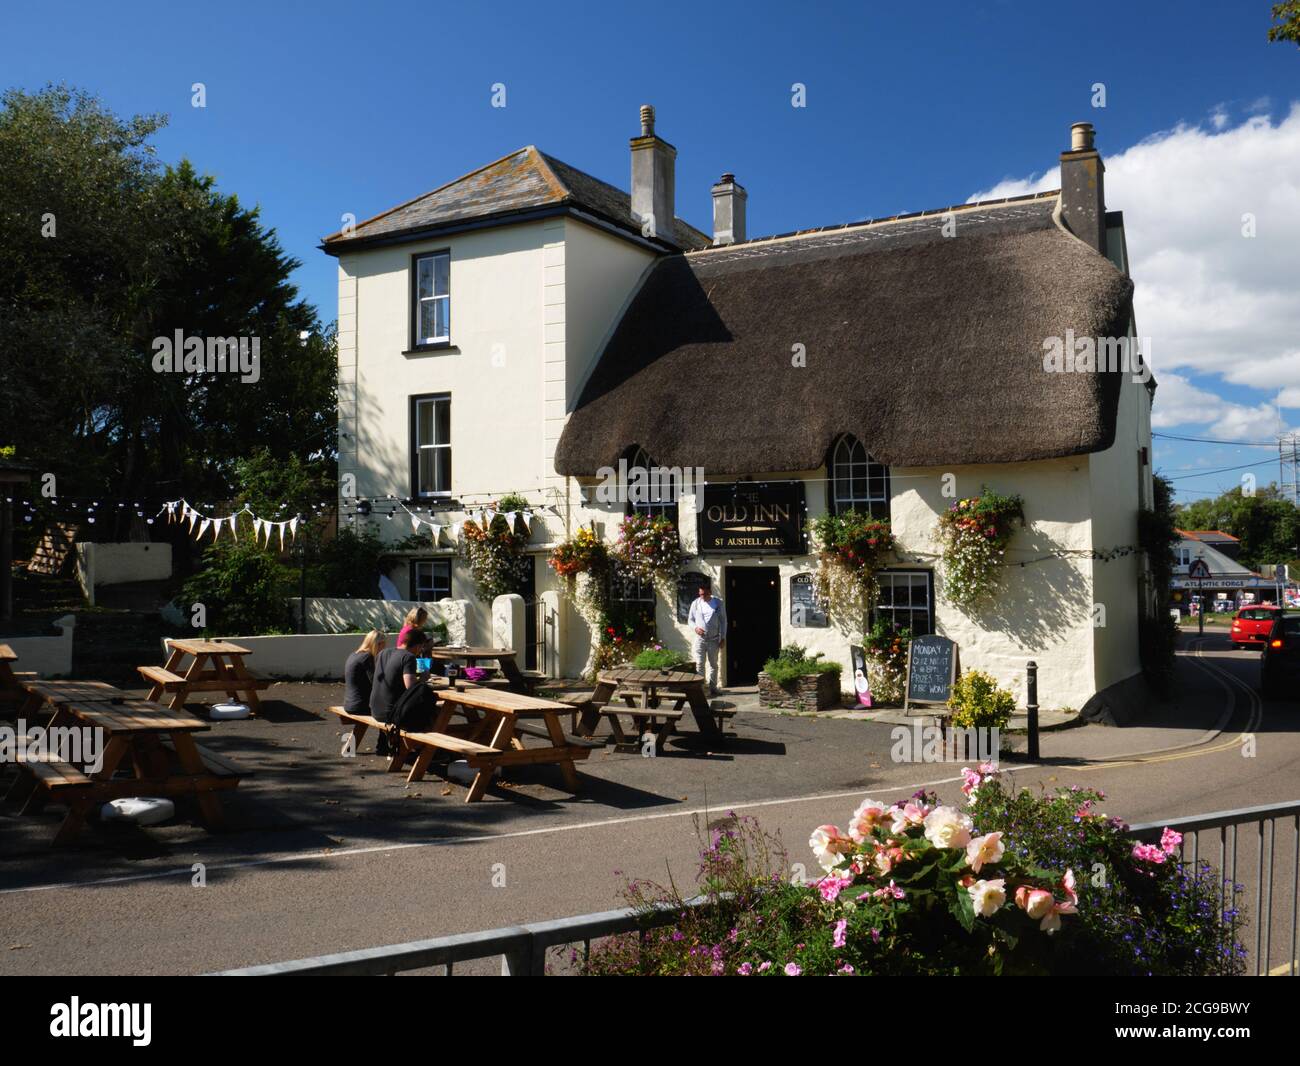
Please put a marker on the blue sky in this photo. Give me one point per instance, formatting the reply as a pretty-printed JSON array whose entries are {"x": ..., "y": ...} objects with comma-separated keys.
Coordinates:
[{"x": 318, "y": 109}]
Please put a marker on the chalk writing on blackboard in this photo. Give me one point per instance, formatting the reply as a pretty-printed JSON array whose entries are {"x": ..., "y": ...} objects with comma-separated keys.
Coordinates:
[
  {"x": 932, "y": 667},
  {"x": 806, "y": 611}
]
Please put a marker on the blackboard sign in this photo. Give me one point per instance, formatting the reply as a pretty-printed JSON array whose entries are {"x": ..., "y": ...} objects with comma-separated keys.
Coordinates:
[
  {"x": 747, "y": 517},
  {"x": 688, "y": 588},
  {"x": 932, "y": 667},
  {"x": 805, "y": 611}
]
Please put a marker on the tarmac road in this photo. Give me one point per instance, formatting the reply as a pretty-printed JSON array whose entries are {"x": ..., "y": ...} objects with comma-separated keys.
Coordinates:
[{"x": 269, "y": 898}]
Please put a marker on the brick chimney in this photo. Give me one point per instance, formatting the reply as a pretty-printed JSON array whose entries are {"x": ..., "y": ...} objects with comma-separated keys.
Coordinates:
[
  {"x": 1083, "y": 188},
  {"x": 653, "y": 182},
  {"x": 728, "y": 210}
]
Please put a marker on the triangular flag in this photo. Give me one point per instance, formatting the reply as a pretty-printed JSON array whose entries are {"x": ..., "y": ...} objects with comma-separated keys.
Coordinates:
[
  {"x": 510, "y": 519},
  {"x": 203, "y": 528},
  {"x": 436, "y": 530},
  {"x": 193, "y": 516},
  {"x": 528, "y": 520},
  {"x": 415, "y": 523},
  {"x": 293, "y": 526},
  {"x": 234, "y": 532},
  {"x": 282, "y": 525}
]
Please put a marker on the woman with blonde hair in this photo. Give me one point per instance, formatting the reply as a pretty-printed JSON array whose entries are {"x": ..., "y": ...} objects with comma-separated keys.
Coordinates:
[
  {"x": 415, "y": 619},
  {"x": 359, "y": 673}
]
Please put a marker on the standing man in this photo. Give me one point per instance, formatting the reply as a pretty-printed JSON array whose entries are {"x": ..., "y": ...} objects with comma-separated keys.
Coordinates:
[{"x": 708, "y": 618}]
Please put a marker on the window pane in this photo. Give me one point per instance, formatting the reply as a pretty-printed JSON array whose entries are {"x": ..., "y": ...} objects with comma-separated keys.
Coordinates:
[
  {"x": 426, "y": 474},
  {"x": 441, "y": 318},
  {"x": 424, "y": 277},
  {"x": 443, "y": 425},
  {"x": 444, "y": 469},
  {"x": 424, "y": 422},
  {"x": 441, "y": 275}
]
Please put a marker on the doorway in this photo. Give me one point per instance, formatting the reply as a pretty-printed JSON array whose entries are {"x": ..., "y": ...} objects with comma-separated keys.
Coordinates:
[{"x": 753, "y": 601}]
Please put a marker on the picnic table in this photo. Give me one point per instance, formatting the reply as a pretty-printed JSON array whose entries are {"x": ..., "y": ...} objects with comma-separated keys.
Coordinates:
[
  {"x": 492, "y": 735},
  {"x": 37, "y": 693},
  {"x": 11, "y": 691},
  {"x": 226, "y": 673},
  {"x": 643, "y": 692},
  {"x": 159, "y": 744},
  {"x": 516, "y": 680}
]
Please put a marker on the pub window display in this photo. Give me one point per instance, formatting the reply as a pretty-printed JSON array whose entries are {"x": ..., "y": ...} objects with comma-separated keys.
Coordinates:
[
  {"x": 858, "y": 482},
  {"x": 906, "y": 600}
]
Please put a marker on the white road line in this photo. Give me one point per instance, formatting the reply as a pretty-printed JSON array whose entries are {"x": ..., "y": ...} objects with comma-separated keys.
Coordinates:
[{"x": 299, "y": 856}]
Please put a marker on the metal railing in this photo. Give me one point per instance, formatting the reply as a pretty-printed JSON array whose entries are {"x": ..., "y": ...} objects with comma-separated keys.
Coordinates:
[{"x": 523, "y": 948}]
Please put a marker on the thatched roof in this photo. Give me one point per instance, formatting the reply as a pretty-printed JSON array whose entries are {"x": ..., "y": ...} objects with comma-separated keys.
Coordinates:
[
  {"x": 927, "y": 348},
  {"x": 522, "y": 185}
]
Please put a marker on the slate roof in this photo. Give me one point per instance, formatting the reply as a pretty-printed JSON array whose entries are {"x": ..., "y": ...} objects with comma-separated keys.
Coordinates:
[{"x": 519, "y": 184}]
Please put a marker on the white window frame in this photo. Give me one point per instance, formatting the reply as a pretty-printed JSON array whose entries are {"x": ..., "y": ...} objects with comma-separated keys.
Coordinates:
[
  {"x": 416, "y": 566},
  {"x": 419, "y": 446},
  {"x": 850, "y": 455},
  {"x": 887, "y": 577},
  {"x": 662, "y": 502},
  {"x": 432, "y": 298}
]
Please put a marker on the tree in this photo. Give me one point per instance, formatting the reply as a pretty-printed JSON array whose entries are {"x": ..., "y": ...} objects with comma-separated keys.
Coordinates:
[
  {"x": 1287, "y": 15},
  {"x": 1267, "y": 524},
  {"x": 103, "y": 251}
]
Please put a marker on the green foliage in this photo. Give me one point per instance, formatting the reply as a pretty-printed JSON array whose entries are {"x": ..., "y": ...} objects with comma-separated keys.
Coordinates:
[
  {"x": 1135, "y": 918},
  {"x": 852, "y": 548},
  {"x": 975, "y": 533},
  {"x": 346, "y": 565},
  {"x": 1157, "y": 631},
  {"x": 885, "y": 649},
  {"x": 105, "y": 250},
  {"x": 793, "y": 662},
  {"x": 658, "y": 658},
  {"x": 976, "y": 702},
  {"x": 1267, "y": 524},
  {"x": 1287, "y": 17},
  {"x": 243, "y": 589}
]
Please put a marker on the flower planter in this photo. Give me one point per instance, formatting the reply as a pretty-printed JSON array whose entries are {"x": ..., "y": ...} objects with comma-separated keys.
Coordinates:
[{"x": 811, "y": 692}]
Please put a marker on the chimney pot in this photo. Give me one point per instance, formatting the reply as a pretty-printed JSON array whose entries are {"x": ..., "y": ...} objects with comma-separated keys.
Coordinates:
[
  {"x": 653, "y": 180},
  {"x": 728, "y": 210},
  {"x": 1081, "y": 137},
  {"x": 1083, "y": 188}
]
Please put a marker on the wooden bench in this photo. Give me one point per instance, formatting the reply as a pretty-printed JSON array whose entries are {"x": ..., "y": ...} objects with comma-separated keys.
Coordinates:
[
  {"x": 423, "y": 744},
  {"x": 46, "y": 775},
  {"x": 160, "y": 675},
  {"x": 533, "y": 730},
  {"x": 659, "y": 721}
]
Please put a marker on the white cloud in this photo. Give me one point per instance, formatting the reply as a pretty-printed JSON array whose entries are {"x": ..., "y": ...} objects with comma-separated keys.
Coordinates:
[{"x": 1212, "y": 300}]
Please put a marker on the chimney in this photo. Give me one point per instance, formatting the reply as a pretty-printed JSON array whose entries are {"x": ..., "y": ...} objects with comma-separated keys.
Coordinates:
[
  {"x": 1083, "y": 188},
  {"x": 653, "y": 162},
  {"x": 728, "y": 210}
]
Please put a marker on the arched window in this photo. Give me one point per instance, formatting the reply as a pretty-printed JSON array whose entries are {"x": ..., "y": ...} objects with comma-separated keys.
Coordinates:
[
  {"x": 858, "y": 482},
  {"x": 649, "y": 489}
]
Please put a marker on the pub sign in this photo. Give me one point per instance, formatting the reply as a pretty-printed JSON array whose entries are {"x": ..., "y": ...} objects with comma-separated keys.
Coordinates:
[{"x": 754, "y": 517}]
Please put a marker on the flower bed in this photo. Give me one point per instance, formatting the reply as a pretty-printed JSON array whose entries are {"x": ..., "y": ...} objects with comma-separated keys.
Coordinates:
[
  {"x": 798, "y": 680},
  {"x": 1009, "y": 883}
]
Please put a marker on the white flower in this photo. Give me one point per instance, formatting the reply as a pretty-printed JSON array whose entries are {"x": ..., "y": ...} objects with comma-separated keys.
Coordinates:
[
  {"x": 988, "y": 896},
  {"x": 947, "y": 827}
]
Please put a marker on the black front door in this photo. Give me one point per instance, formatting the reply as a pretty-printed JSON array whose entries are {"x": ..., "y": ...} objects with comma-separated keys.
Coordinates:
[{"x": 753, "y": 601}]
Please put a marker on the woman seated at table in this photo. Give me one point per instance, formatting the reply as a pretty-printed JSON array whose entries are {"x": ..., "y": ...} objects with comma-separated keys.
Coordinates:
[
  {"x": 396, "y": 670},
  {"x": 359, "y": 673},
  {"x": 415, "y": 619}
]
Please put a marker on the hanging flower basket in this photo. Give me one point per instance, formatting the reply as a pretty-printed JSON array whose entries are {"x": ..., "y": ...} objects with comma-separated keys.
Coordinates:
[
  {"x": 648, "y": 548},
  {"x": 495, "y": 556},
  {"x": 975, "y": 533},
  {"x": 852, "y": 548},
  {"x": 583, "y": 553}
]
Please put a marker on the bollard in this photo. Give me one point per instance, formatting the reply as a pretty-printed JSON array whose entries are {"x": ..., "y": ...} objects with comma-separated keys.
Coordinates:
[{"x": 1031, "y": 705}]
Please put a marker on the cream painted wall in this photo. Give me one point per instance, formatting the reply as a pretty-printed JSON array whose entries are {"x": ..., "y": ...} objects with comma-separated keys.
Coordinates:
[
  {"x": 1043, "y": 612},
  {"x": 531, "y": 306}
]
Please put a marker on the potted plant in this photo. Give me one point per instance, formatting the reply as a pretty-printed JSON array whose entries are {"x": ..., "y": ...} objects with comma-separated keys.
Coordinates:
[
  {"x": 975, "y": 533},
  {"x": 660, "y": 658},
  {"x": 851, "y": 548},
  {"x": 800, "y": 681}
]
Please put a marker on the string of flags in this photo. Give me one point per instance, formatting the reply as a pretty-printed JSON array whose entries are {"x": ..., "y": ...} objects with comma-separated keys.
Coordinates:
[
  {"x": 199, "y": 523},
  {"x": 482, "y": 516}
]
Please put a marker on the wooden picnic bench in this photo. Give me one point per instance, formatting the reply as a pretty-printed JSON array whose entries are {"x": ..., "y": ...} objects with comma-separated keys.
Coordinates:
[
  {"x": 159, "y": 746},
  {"x": 217, "y": 666},
  {"x": 643, "y": 692},
  {"x": 37, "y": 693},
  {"x": 490, "y": 737},
  {"x": 513, "y": 679},
  {"x": 12, "y": 693}
]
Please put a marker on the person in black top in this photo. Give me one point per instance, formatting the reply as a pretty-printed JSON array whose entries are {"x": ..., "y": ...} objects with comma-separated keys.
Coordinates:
[
  {"x": 395, "y": 672},
  {"x": 359, "y": 673}
]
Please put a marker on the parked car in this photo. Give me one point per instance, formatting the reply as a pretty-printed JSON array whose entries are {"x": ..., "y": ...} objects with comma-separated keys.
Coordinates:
[
  {"x": 1252, "y": 626},
  {"x": 1279, "y": 665}
]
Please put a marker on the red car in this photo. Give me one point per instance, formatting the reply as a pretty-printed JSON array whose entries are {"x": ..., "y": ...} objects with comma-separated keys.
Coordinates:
[{"x": 1251, "y": 627}]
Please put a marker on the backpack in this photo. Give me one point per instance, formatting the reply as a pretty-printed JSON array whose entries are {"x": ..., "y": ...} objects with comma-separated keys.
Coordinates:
[{"x": 413, "y": 711}]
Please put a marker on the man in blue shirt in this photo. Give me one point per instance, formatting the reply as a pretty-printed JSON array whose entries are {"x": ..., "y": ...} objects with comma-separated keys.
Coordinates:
[{"x": 708, "y": 618}]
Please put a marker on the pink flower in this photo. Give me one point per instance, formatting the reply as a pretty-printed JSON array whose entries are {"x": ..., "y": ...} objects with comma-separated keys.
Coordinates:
[
  {"x": 890, "y": 891},
  {"x": 840, "y": 926},
  {"x": 792, "y": 969},
  {"x": 1170, "y": 841},
  {"x": 1037, "y": 902},
  {"x": 745, "y": 969},
  {"x": 765, "y": 966},
  {"x": 988, "y": 848},
  {"x": 831, "y": 886},
  {"x": 1148, "y": 853},
  {"x": 870, "y": 813},
  {"x": 846, "y": 969},
  {"x": 829, "y": 844},
  {"x": 875, "y": 936},
  {"x": 906, "y": 815}
]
